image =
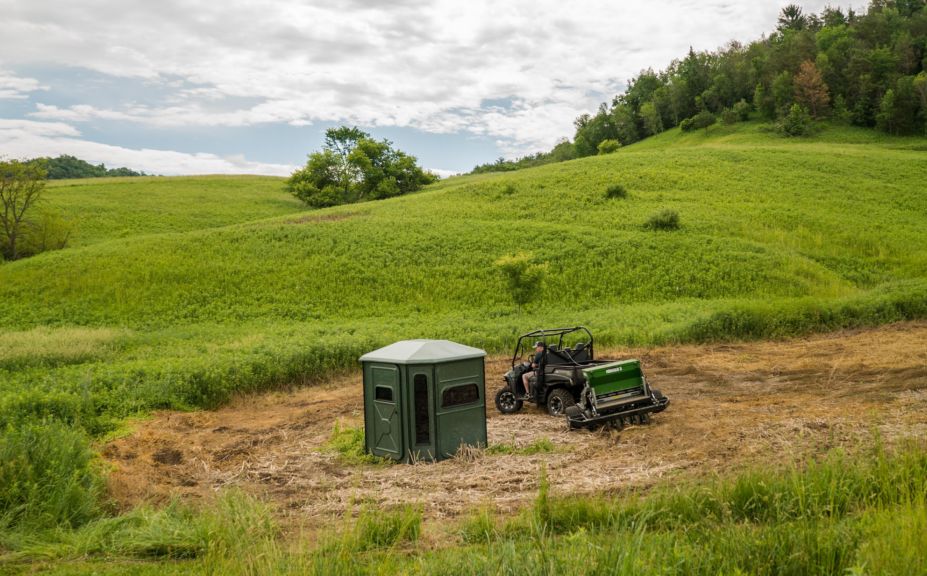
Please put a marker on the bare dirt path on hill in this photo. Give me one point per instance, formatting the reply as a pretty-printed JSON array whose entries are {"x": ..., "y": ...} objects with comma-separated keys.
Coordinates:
[{"x": 733, "y": 406}]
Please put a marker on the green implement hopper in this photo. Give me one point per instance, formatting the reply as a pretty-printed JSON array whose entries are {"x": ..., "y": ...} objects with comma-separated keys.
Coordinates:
[
  {"x": 615, "y": 393},
  {"x": 615, "y": 380},
  {"x": 423, "y": 399}
]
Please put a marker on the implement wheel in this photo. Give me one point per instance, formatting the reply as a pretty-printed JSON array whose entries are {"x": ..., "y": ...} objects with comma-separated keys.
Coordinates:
[
  {"x": 558, "y": 401},
  {"x": 507, "y": 402}
]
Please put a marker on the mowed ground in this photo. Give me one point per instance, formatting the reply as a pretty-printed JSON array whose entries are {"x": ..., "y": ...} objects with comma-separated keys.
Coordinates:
[{"x": 733, "y": 406}]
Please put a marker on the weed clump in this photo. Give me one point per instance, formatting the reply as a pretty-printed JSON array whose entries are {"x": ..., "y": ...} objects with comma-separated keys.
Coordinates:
[
  {"x": 616, "y": 191},
  {"x": 375, "y": 529},
  {"x": 523, "y": 277},
  {"x": 384, "y": 529},
  {"x": 480, "y": 528},
  {"x": 665, "y": 219},
  {"x": 539, "y": 446},
  {"x": 608, "y": 146},
  {"x": 48, "y": 477},
  {"x": 348, "y": 442}
]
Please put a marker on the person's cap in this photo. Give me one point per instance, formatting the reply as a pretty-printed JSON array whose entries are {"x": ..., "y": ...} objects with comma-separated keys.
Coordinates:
[{"x": 538, "y": 343}]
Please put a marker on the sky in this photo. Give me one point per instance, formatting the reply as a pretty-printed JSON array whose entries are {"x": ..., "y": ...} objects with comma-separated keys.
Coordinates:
[{"x": 189, "y": 87}]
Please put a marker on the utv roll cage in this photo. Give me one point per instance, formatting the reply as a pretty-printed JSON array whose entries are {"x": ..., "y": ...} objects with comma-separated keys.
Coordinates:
[{"x": 556, "y": 353}]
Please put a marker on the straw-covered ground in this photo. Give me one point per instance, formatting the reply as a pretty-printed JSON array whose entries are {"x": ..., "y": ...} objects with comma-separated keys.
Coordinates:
[{"x": 733, "y": 407}]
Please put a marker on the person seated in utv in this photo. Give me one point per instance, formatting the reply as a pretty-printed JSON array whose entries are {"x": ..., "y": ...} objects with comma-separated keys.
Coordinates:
[{"x": 539, "y": 348}]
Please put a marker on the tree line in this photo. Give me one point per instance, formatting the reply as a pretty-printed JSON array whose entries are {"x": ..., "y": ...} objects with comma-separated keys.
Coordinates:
[
  {"x": 865, "y": 69},
  {"x": 65, "y": 166}
]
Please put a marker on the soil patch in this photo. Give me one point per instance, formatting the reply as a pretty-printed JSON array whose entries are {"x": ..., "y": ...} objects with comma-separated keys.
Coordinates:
[{"x": 733, "y": 406}]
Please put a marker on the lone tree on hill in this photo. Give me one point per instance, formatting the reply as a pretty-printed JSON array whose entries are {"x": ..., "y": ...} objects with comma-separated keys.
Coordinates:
[
  {"x": 21, "y": 187},
  {"x": 352, "y": 167},
  {"x": 810, "y": 89}
]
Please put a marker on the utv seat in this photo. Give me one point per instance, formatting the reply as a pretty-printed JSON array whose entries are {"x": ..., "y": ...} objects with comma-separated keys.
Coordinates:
[
  {"x": 555, "y": 356},
  {"x": 580, "y": 353}
]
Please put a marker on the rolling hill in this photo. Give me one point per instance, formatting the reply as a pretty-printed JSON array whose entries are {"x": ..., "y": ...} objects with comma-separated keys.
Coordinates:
[
  {"x": 221, "y": 284},
  {"x": 180, "y": 292}
]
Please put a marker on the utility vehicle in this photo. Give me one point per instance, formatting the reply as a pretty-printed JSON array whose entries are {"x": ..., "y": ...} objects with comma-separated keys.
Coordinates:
[{"x": 571, "y": 382}]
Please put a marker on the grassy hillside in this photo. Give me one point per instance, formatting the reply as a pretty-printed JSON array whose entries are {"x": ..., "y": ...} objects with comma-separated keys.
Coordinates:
[
  {"x": 778, "y": 237},
  {"x": 103, "y": 209},
  {"x": 180, "y": 292}
]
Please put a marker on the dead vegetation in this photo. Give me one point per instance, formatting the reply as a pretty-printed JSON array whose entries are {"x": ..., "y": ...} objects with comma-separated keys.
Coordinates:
[{"x": 733, "y": 406}]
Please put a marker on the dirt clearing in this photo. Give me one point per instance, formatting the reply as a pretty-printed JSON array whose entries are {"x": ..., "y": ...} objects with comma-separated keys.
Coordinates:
[{"x": 732, "y": 406}]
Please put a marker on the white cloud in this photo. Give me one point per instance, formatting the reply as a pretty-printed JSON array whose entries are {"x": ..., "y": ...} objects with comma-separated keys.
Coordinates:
[
  {"x": 429, "y": 65},
  {"x": 17, "y": 87},
  {"x": 30, "y": 139},
  {"x": 444, "y": 173}
]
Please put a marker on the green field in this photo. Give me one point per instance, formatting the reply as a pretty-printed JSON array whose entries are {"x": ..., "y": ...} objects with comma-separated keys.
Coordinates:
[
  {"x": 778, "y": 237},
  {"x": 102, "y": 209},
  {"x": 178, "y": 292}
]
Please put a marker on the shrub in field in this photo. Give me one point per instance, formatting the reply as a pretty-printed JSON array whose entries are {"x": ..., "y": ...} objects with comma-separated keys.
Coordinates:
[
  {"x": 608, "y": 146},
  {"x": 796, "y": 123},
  {"x": 524, "y": 278},
  {"x": 742, "y": 110},
  {"x": 48, "y": 232},
  {"x": 616, "y": 191},
  {"x": 665, "y": 219},
  {"x": 703, "y": 119},
  {"x": 728, "y": 117},
  {"x": 48, "y": 477}
]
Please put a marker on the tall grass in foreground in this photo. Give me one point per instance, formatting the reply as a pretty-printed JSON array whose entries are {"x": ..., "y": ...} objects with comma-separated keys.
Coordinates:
[
  {"x": 48, "y": 477},
  {"x": 841, "y": 515}
]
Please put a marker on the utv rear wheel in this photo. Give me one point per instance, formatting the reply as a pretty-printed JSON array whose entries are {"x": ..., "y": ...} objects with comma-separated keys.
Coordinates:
[
  {"x": 506, "y": 402},
  {"x": 558, "y": 401}
]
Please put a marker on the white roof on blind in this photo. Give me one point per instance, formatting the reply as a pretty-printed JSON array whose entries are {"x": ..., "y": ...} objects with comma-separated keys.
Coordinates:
[{"x": 422, "y": 352}]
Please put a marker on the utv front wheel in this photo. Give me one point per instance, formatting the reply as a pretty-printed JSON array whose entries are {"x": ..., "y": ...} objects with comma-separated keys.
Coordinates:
[
  {"x": 558, "y": 401},
  {"x": 506, "y": 402}
]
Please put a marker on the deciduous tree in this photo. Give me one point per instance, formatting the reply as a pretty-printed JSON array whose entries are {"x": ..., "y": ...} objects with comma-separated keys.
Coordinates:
[
  {"x": 653, "y": 122},
  {"x": 21, "y": 187},
  {"x": 810, "y": 89},
  {"x": 353, "y": 167}
]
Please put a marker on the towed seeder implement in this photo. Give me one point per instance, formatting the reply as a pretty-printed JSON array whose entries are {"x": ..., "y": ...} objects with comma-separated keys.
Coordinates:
[{"x": 564, "y": 376}]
